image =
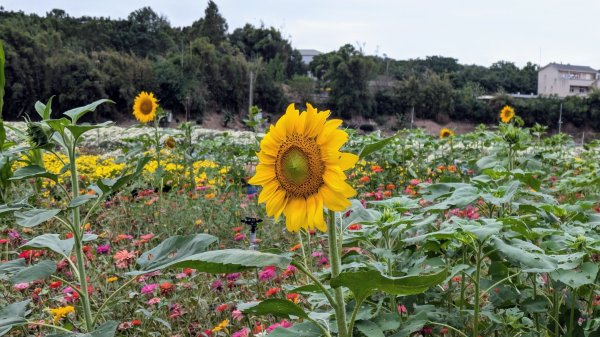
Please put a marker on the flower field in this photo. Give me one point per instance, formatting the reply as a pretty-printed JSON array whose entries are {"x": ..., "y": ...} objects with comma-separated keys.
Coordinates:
[{"x": 308, "y": 230}]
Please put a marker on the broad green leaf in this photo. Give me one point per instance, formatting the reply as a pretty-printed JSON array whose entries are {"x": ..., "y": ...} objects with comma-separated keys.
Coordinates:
[
  {"x": 361, "y": 214},
  {"x": 434, "y": 191},
  {"x": 225, "y": 261},
  {"x": 39, "y": 271},
  {"x": 308, "y": 288},
  {"x": 58, "y": 125},
  {"x": 12, "y": 266},
  {"x": 535, "y": 305},
  {"x": 461, "y": 197},
  {"x": 530, "y": 262},
  {"x": 585, "y": 275},
  {"x": 362, "y": 283},
  {"x": 105, "y": 186},
  {"x": 507, "y": 194},
  {"x": 13, "y": 315},
  {"x": 304, "y": 329},
  {"x": 412, "y": 324},
  {"x": 33, "y": 171},
  {"x": 369, "y": 328},
  {"x": 44, "y": 110},
  {"x": 78, "y": 130},
  {"x": 387, "y": 321},
  {"x": 52, "y": 242},
  {"x": 81, "y": 199},
  {"x": 34, "y": 217},
  {"x": 107, "y": 329},
  {"x": 12, "y": 207},
  {"x": 174, "y": 249},
  {"x": 77, "y": 113},
  {"x": 274, "y": 306},
  {"x": 374, "y": 147}
]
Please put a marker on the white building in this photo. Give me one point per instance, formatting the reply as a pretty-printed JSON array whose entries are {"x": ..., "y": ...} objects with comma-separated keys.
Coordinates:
[
  {"x": 308, "y": 54},
  {"x": 566, "y": 80}
]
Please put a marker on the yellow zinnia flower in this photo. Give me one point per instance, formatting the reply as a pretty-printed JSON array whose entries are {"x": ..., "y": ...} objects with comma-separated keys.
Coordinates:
[
  {"x": 144, "y": 107},
  {"x": 61, "y": 312},
  {"x": 507, "y": 113},
  {"x": 301, "y": 168},
  {"x": 445, "y": 132},
  {"x": 221, "y": 325}
]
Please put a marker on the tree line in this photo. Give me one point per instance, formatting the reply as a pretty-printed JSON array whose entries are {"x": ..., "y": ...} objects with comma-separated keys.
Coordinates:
[{"x": 201, "y": 68}]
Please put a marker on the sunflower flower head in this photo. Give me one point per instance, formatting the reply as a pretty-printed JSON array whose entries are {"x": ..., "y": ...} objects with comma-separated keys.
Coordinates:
[
  {"x": 507, "y": 114},
  {"x": 445, "y": 133},
  {"x": 144, "y": 107},
  {"x": 301, "y": 168}
]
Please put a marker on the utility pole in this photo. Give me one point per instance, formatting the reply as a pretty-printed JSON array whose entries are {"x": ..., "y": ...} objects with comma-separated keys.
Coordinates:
[
  {"x": 560, "y": 119},
  {"x": 251, "y": 91}
]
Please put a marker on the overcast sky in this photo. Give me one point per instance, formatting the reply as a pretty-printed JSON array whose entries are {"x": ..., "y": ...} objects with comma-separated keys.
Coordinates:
[{"x": 473, "y": 31}]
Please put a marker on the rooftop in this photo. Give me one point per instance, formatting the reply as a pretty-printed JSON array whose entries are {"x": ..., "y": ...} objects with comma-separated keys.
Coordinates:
[
  {"x": 309, "y": 52},
  {"x": 569, "y": 67}
]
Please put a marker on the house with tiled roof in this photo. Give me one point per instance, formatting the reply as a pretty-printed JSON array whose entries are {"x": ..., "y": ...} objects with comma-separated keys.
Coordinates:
[{"x": 566, "y": 80}]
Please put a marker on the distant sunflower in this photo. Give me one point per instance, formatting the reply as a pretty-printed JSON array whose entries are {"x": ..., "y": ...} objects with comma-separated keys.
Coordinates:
[
  {"x": 445, "y": 132},
  {"x": 170, "y": 143},
  {"x": 301, "y": 169},
  {"x": 507, "y": 113},
  {"x": 144, "y": 107}
]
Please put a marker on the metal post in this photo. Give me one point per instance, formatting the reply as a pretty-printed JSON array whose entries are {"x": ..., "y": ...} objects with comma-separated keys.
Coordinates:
[
  {"x": 412, "y": 117},
  {"x": 582, "y": 138},
  {"x": 253, "y": 223},
  {"x": 560, "y": 119},
  {"x": 250, "y": 98}
]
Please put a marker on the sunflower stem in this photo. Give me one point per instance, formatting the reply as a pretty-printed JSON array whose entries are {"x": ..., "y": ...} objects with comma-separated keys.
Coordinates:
[{"x": 336, "y": 265}]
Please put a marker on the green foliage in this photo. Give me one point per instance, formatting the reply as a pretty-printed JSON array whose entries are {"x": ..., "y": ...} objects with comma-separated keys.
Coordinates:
[{"x": 2, "y": 60}]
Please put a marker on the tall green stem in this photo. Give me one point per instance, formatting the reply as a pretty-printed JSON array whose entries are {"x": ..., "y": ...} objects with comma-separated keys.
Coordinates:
[
  {"x": 336, "y": 266},
  {"x": 572, "y": 315},
  {"x": 87, "y": 311},
  {"x": 477, "y": 297}
]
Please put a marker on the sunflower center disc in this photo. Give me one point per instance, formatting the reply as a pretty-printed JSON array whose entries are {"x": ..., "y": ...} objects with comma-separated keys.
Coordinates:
[
  {"x": 146, "y": 107},
  {"x": 299, "y": 167},
  {"x": 295, "y": 166}
]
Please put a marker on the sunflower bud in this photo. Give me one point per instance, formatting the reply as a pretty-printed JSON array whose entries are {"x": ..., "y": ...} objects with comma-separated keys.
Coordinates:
[{"x": 38, "y": 133}]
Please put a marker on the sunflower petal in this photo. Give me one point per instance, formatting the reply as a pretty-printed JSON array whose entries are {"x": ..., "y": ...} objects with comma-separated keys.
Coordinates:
[{"x": 333, "y": 201}]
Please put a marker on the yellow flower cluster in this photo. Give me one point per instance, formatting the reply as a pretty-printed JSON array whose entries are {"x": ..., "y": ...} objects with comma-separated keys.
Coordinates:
[
  {"x": 61, "y": 312},
  {"x": 93, "y": 167}
]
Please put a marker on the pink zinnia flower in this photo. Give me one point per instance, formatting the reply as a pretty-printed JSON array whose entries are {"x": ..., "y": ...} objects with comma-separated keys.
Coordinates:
[
  {"x": 149, "y": 288},
  {"x": 147, "y": 237},
  {"x": 154, "y": 300},
  {"x": 237, "y": 315},
  {"x": 245, "y": 332},
  {"x": 268, "y": 273},
  {"x": 21, "y": 286},
  {"x": 284, "y": 324},
  {"x": 123, "y": 258}
]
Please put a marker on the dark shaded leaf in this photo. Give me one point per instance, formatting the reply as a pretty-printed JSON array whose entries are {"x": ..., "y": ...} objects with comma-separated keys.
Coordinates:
[{"x": 274, "y": 306}]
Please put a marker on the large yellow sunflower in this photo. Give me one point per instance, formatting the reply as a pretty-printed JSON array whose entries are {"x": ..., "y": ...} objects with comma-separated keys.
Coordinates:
[
  {"x": 301, "y": 169},
  {"x": 507, "y": 113},
  {"x": 144, "y": 107},
  {"x": 445, "y": 132}
]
